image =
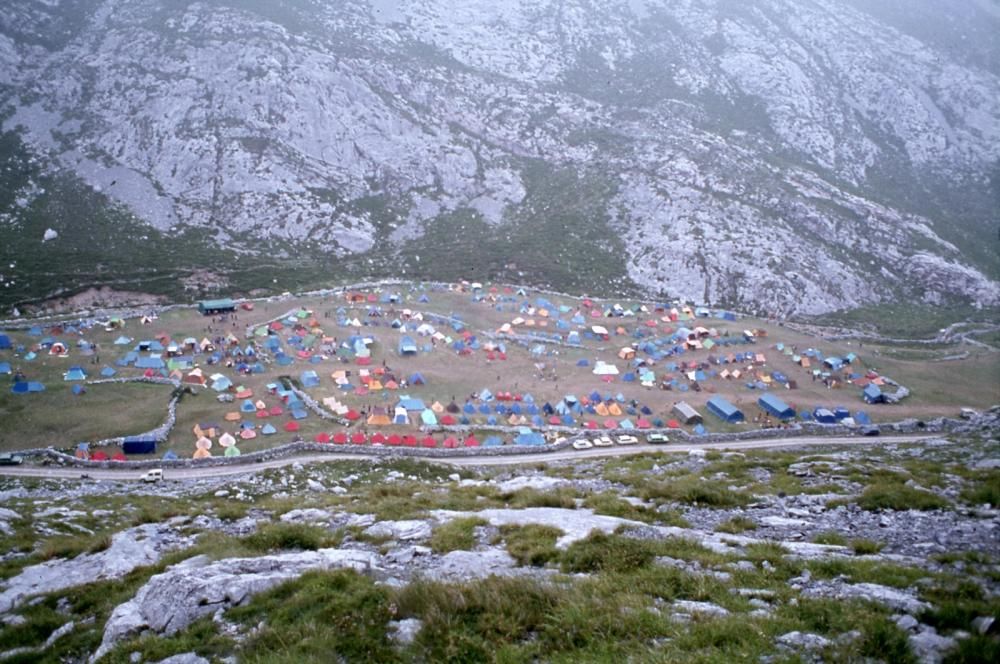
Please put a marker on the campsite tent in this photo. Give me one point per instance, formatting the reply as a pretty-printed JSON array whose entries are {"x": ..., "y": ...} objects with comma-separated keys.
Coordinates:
[
  {"x": 776, "y": 407},
  {"x": 872, "y": 394},
  {"x": 724, "y": 410}
]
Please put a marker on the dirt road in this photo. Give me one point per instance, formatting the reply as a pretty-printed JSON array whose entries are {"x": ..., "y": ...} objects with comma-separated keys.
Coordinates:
[{"x": 542, "y": 457}]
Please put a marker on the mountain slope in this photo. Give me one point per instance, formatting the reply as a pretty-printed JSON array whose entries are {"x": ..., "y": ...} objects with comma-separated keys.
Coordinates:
[{"x": 788, "y": 156}]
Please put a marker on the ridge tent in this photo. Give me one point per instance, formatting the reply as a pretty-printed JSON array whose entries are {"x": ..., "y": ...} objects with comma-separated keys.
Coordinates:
[{"x": 872, "y": 394}]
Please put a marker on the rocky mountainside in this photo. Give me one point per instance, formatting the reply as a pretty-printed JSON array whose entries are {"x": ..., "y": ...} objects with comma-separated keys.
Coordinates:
[{"x": 781, "y": 155}]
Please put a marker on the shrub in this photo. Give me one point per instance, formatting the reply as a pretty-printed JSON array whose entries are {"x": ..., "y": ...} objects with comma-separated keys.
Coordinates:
[{"x": 695, "y": 491}]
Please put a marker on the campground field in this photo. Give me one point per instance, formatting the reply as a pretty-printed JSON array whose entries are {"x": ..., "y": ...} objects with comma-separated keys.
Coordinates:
[{"x": 467, "y": 359}]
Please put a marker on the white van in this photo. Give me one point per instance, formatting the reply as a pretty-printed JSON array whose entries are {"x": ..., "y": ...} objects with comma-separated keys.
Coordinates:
[{"x": 154, "y": 475}]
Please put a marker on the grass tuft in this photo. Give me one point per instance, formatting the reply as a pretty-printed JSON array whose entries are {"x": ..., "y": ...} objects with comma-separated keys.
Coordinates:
[{"x": 457, "y": 534}]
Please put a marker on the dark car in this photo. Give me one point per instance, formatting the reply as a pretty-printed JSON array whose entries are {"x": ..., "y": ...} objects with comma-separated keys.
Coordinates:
[
  {"x": 870, "y": 431},
  {"x": 8, "y": 459}
]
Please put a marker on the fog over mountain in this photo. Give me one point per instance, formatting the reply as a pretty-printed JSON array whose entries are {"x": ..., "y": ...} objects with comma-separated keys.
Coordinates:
[{"x": 785, "y": 155}]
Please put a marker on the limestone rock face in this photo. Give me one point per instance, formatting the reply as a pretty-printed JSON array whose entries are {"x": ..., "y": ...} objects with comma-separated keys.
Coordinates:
[{"x": 782, "y": 155}]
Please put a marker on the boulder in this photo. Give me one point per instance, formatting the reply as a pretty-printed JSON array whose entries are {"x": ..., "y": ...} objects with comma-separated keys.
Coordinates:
[
  {"x": 306, "y": 515},
  {"x": 929, "y": 646},
  {"x": 799, "y": 641},
  {"x": 465, "y": 565},
  {"x": 184, "y": 658},
  {"x": 197, "y": 587},
  {"x": 129, "y": 549},
  {"x": 400, "y": 530}
]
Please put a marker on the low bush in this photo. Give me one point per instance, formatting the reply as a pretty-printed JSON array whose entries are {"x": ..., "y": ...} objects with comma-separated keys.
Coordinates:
[
  {"x": 294, "y": 536},
  {"x": 532, "y": 544},
  {"x": 894, "y": 496},
  {"x": 736, "y": 525},
  {"x": 600, "y": 552},
  {"x": 457, "y": 534}
]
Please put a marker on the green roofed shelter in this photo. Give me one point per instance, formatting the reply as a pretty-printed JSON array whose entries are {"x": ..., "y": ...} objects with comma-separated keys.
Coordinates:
[{"x": 209, "y": 307}]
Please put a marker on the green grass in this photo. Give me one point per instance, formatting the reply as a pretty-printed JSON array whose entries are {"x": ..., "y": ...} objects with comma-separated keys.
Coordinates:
[
  {"x": 319, "y": 617},
  {"x": 831, "y": 538},
  {"x": 694, "y": 491},
  {"x": 294, "y": 536},
  {"x": 866, "y": 547},
  {"x": 899, "y": 497},
  {"x": 600, "y": 552},
  {"x": 531, "y": 544},
  {"x": 457, "y": 534},
  {"x": 985, "y": 489}
]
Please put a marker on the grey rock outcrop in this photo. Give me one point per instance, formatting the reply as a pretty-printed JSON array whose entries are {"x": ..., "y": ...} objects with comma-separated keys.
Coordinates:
[
  {"x": 129, "y": 549},
  {"x": 185, "y": 592}
]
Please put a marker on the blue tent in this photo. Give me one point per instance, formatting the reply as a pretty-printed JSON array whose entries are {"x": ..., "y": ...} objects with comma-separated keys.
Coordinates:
[
  {"x": 428, "y": 417},
  {"x": 409, "y": 403},
  {"x": 247, "y": 406},
  {"x": 4, "y": 342},
  {"x": 724, "y": 410},
  {"x": 407, "y": 346},
  {"x": 268, "y": 429},
  {"x": 491, "y": 420},
  {"x": 310, "y": 379},
  {"x": 139, "y": 445},
  {"x": 299, "y": 413},
  {"x": 872, "y": 394},
  {"x": 5, "y": 368},
  {"x": 700, "y": 430},
  {"x": 149, "y": 363},
  {"x": 841, "y": 413},
  {"x": 25, "y": 387},
  {"x": 824, "y": 416},
  {"x": 776, "y": 407},
  {"x": 861, "y": 417},
  {"x": 78, "y": 389},
  {"x": 170, "y": 455},
  {"x": 529, "y": 437},
  {"x": 468, "y": 408},
  {"x": 415, "y": 379},
  {"x": 492, "y": 441}
]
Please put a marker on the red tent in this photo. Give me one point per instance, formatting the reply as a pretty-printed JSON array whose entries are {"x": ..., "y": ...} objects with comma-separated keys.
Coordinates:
[
  {"x": 410, "y": 441},
  {"x": 673, "y": 424},
  {"x": 428, "y": 441},
  {"x": 610, "y": 424},
  {"x": 395, "y": 440},
  {"x": 364, "y": 361},
  {"x": 339, "y": 438},
  {"x": 276, "y": 410},
  {"x": 447, "y": 420},
  {"x": 471, "y": 442},
  {"x": 261, "y": 414},
  {"x": 378, "y": 438},
  {"x": 322, "y": 438},
  {"x": 358, "y": 438},
  {"x": 643, "y": 423},
  {"x": 291, "y": 426},
  {"x": 118, "y": 456},
  {"x": 555, "y": 419},
  {"x": 99, "y": 455},
  {"x": 353, "y": 415},
  {"x": 450, "y": 442},
  {"x": 592, "y": 425}
]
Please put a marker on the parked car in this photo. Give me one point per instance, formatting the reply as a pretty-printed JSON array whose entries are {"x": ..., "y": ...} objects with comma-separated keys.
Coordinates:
[
  {"x": 626, "y": 439},
  {"x": 657, "y": 439},
  {"x": 8, "y": 459},
  {"x": 582, "y": 444},
  {"x": 154, "y": 475},
  {"x": 870, "y": 431},
  {"x": 603, "y": 441}
]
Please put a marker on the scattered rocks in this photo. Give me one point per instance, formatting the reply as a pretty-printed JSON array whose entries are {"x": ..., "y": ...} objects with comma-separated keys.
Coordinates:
[
  {"x": 306, "y": 515},
  {"x": 799, "y": 641},
  {"x": 465, "y": 565},
  {"x": 691, "y": 608},
  {"x": 184, "y": 658},
  {"x": 929, "y": 646},
  {"x": 873, "y": 592}
]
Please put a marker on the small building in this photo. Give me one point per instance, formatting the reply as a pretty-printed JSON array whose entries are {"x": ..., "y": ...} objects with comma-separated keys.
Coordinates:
[{"x": 212, "y": 307}]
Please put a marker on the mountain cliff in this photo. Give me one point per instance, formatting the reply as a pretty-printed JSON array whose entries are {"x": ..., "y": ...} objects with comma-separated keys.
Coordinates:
[{"x": 789, "y": 156}]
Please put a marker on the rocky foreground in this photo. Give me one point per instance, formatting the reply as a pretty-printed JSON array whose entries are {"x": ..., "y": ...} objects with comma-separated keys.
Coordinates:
[{"x": 886, "y": 552}]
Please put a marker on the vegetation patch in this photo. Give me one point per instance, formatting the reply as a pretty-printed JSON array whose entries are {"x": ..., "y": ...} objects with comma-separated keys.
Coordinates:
[
  {"x": 293, "y": 536},
  {"x": 893, "y": 496},
  {"x": 736, "y": 525},
  {"x": 600, "y": 552},
  {"x": 866, "y": 547},
  {"x": 457, "y": 534},
  {"x": 532, "y": 544},
  {"x": 695, "y": 491}
]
